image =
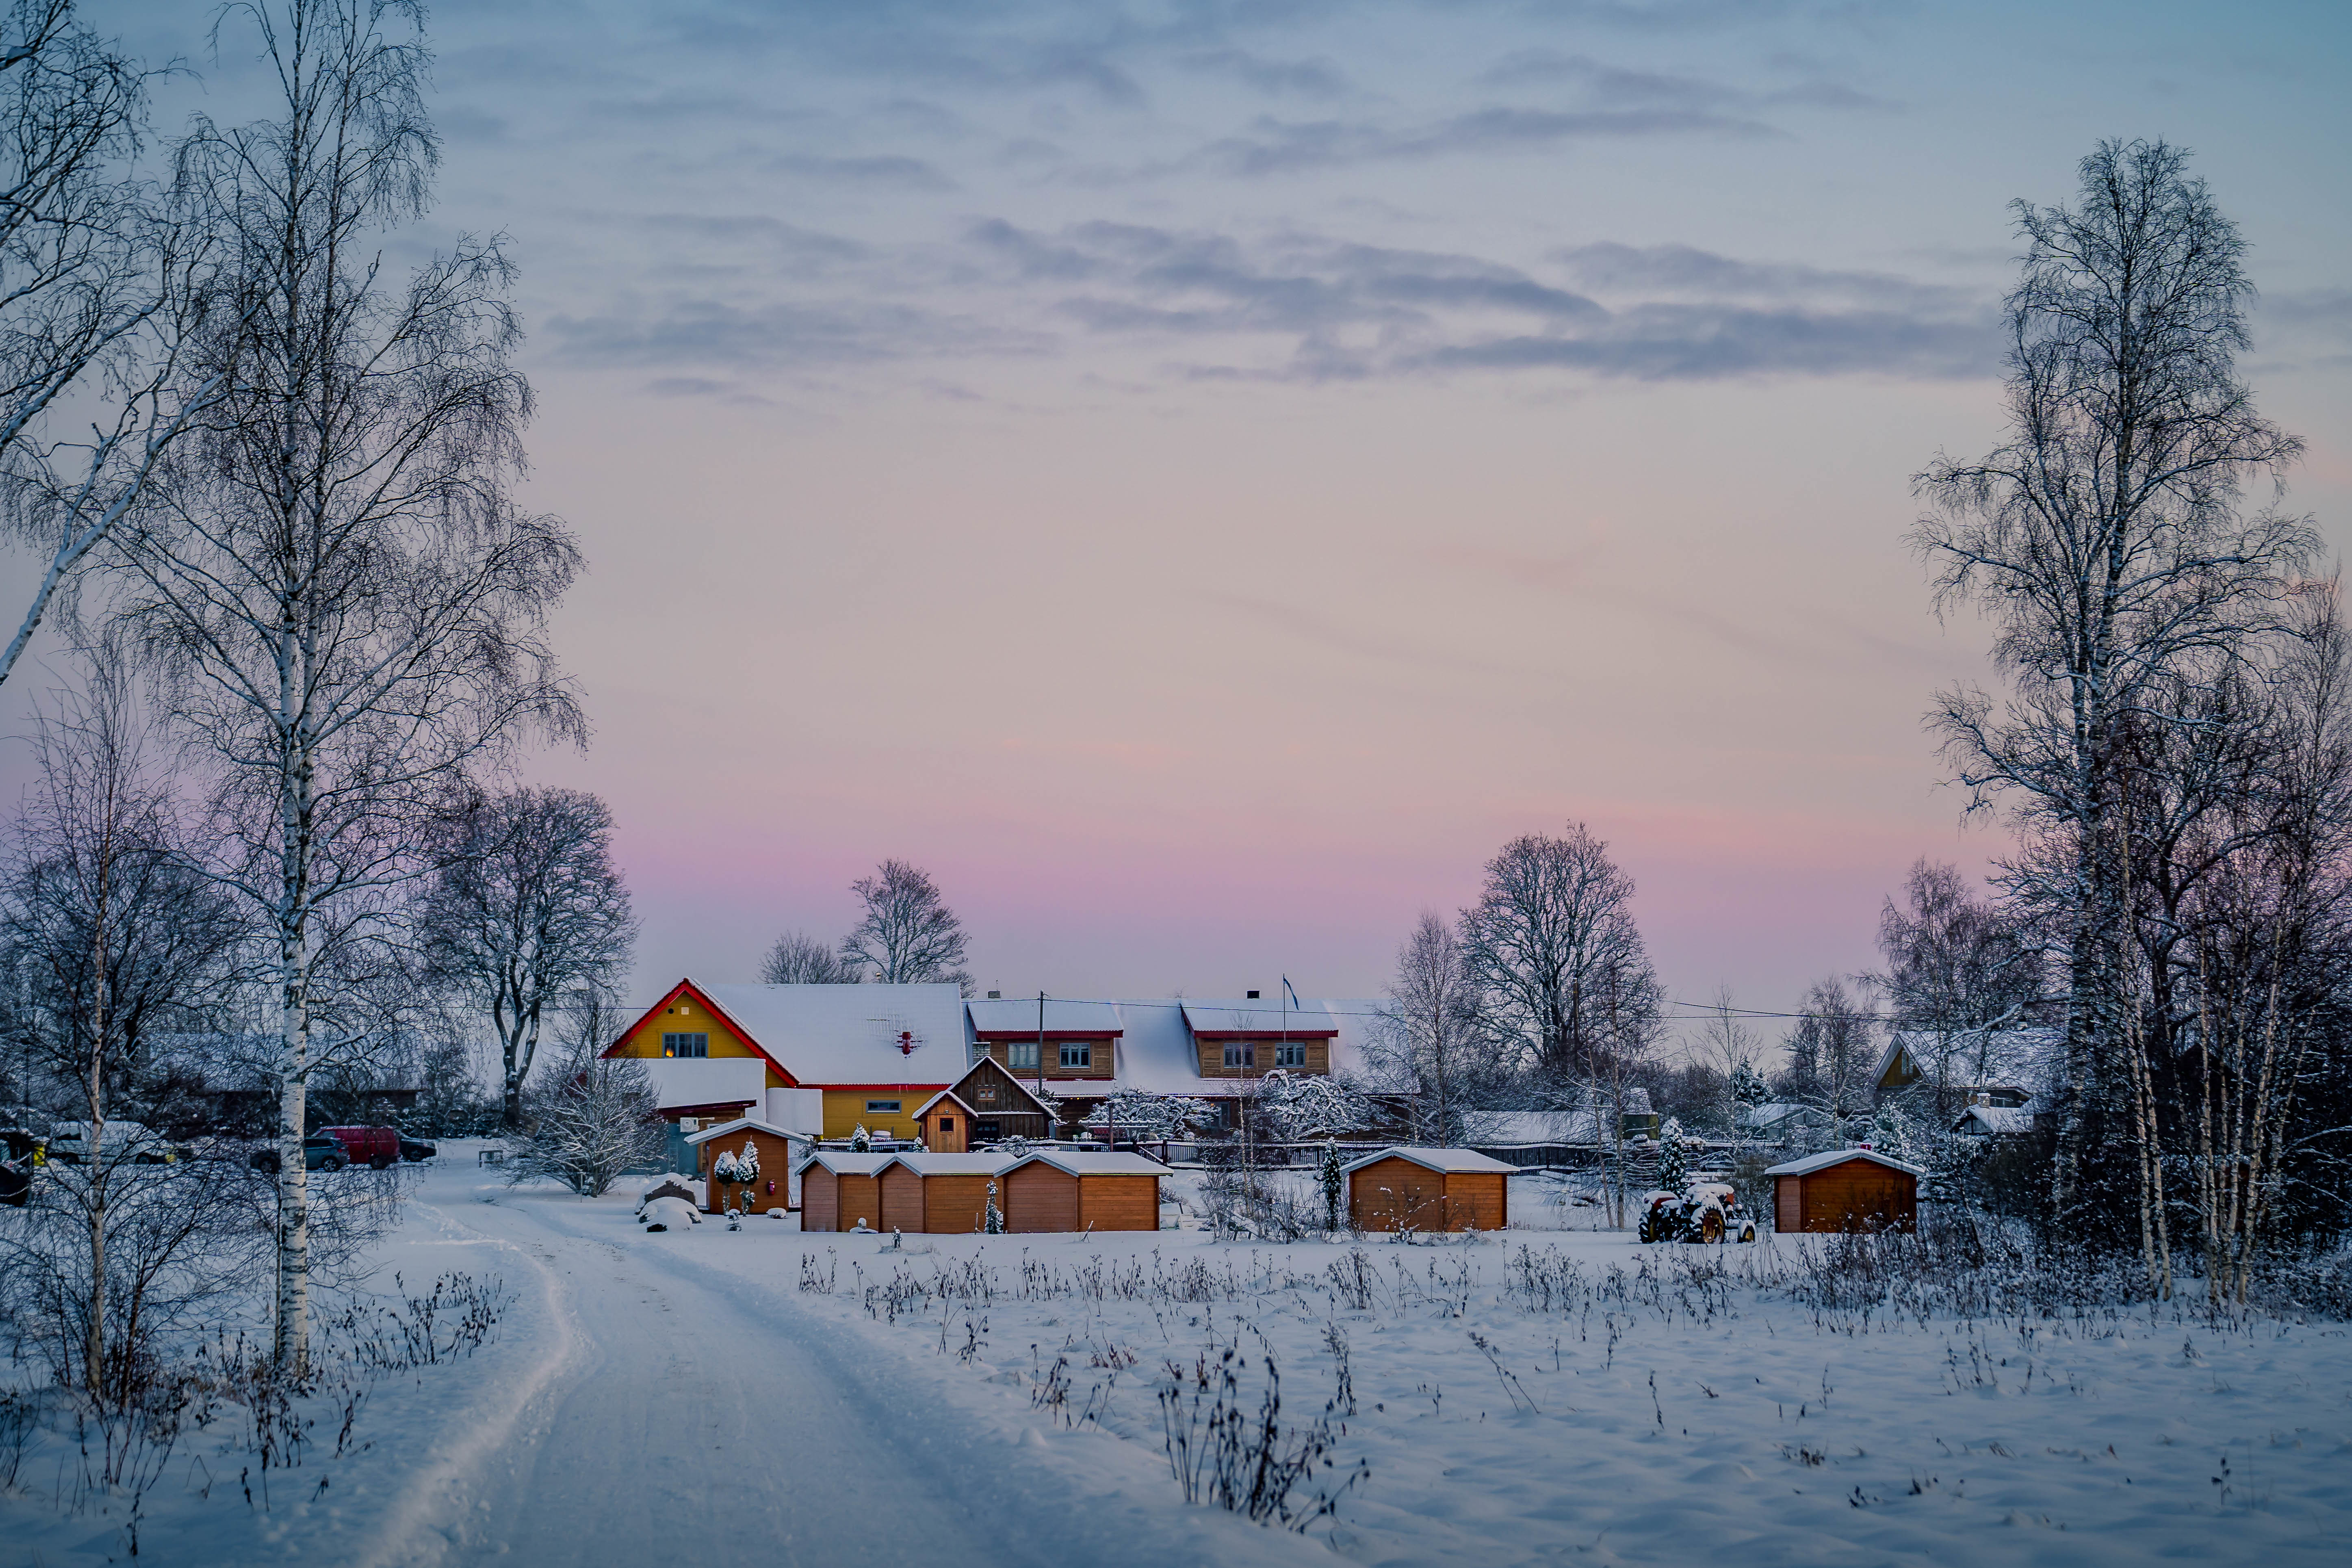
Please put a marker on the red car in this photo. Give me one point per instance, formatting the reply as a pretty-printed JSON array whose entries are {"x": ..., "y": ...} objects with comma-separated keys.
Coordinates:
[{"x": 378, "y": 1148}]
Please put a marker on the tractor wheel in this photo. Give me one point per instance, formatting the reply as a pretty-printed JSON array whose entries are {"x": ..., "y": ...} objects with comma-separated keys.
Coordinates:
[
  {"x": 1710, "y": 1227},
  {"x": 1748, "y": 1231}
]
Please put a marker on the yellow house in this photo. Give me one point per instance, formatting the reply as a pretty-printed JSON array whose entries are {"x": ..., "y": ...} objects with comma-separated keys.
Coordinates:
[{"x": 823, "y": 1060}]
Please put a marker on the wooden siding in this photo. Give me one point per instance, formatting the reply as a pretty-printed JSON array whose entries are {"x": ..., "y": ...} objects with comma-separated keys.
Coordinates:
[
  {"x": 775, "y": 1172},
  {"x": 845, "y": 1109},
  {"x": 687, "y": 1013},
  {"x": 1212, "y": 1057},
  {"x": 1391, "y": 1194},
  {"x": 953, "y": 1205},
  {"x": 946, "y": 1128},
  {"x": 1041, "y": 1198},
  {"x": 860, "y": 1199},
  {"x": 1118, "y": 1202},
  {"x": 819, "y": 1191},
  {"x": 999, "y": 1050},
  {"x": 1857, "y": 1195},
  {"x": 902, "y": 1200}
]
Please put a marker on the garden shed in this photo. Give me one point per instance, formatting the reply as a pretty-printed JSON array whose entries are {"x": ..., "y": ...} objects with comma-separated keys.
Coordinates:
[
  {"x": 838, "y": 1189},
  {"x": 944, "y": 1194},
  {"x": 1845, "y": 1190},
  {"x": 771, "y": 1188},
  {"x": 1062, "y": 1190},
  {"x": 1428, "y": 1189}
]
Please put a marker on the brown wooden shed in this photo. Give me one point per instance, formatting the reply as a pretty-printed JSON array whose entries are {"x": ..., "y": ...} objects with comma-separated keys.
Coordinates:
[
  {"x": 1076, "y": 1189},
  {"x": 773, "y": 1190},
  {"x": 1429, "y": 1189},
  {"x": 986, "y": 1104},
  {"x": 838, "y": 1189},
  {"x": 943, "y": 1194},
  {"x": 1845, "y": 1190}
]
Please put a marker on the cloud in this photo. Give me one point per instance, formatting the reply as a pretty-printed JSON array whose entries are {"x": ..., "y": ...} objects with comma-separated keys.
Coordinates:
[
  {"x": 1331, "y": 309},
  {"x": 888, "y": 173},
  {"x": 1278, "y": 146},
  {"x": 786, "y": 335},
  {"x": 1303, "y": 78}
]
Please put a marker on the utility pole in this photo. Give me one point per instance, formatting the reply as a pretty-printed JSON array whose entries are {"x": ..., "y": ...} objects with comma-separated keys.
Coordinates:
[{"x": 1041, "y": 1059}]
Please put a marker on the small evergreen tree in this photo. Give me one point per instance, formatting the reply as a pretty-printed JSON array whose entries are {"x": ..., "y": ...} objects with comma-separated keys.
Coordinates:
[
  {"x": 1748, "y": 1086},
  {"x": 1673, "y": 1168},
  {"x": 860, "y": 1140},
  {"x": 992, "y": 1219}
]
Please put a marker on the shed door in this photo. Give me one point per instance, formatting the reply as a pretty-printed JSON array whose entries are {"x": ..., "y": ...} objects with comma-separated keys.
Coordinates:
[
  {"x": 1041, "y": 1198},
  {"x": 1788, "y": 1202},
  {"x": 902, "y": 1200},
  {"x": 818, "y": 1187}
]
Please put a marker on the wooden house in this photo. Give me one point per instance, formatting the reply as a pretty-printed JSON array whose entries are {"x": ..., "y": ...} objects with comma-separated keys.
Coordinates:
[
  {"x": 986, "y": 1105},
  {"x": 1428, "y": 1189},
  {"x": 1072, "y": 1190},
  {"x": 773, "y": 1189},
  {"x": 838, "y": 1189},
  {"x": 1845, "y": 1190}
]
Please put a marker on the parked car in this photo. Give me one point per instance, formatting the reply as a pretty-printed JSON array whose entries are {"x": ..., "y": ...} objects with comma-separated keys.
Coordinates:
[
  {"x": 143, "y": 1144},
  {"x": 417, "y": 1149},
  {"x": 320, "y": 1152},
  {"x": 378, "y": 1148}
]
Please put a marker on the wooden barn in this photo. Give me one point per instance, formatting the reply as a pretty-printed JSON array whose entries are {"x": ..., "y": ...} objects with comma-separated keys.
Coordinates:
[
  {"x": 945, "y": 1194},
  {"x": 1065, "y": 1190},
  {"x": 1842, "y": 1190},
  {"x": 1429, "y": 1189},
  {"x": 984, "y": 1106},
  {"x": 773, "y": 1189},
  {"x": 838, "y": 1189}
]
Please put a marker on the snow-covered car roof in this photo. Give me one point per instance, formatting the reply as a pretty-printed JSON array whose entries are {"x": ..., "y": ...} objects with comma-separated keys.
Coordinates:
[
  {"x": 1447, "y": 1160},
  {"x": 1823, "y": 1161}
]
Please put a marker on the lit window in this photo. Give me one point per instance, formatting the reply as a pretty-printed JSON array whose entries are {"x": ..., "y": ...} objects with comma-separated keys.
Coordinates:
[
  {"x": 882, "y": 1107},
  {"x": 1238, "y": 1054},
  {"x": 1290, "y": 1054},
  {"x": 686, "y": 1045},
  {"x": 1023, "y": 1054},
  {"x": 1078, "y": 1056}
]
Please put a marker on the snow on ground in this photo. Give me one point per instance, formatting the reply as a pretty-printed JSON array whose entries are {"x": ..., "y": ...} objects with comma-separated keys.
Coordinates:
[{"x": 970, "y": 1398}]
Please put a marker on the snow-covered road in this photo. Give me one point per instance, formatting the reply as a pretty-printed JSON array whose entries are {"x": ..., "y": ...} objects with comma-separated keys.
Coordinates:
[{"x": 653, "y": 1408}]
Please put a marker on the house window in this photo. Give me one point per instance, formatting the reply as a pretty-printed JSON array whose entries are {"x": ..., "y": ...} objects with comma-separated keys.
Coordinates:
[
  {"x": 983, "y": 1129},
  {"x": 979, "y": 1050},
  {"x": 1238, "y": 1054},
  {"x": 686, "y": 1045},
  {"x": 882, "y": 1107},
  {"x": 1290, "y": 1054},
  {"x": 1077, "y": 1055},
  {"x": 947, "y": 1123},
  {"x": 1023, "y": 1055}
]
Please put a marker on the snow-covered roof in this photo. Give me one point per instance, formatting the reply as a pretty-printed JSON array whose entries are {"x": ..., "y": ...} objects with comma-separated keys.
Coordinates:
[
  {"x": 1157, "y": 1054},
  {"x": 1452, "y": 1160},
  {"x": 746, "y": 1123},
  {"x": 843, "y": 1163},
  {"x": 924, "y": 1109},
  {"x": 2023, "y": 1058},
  {"x": 1508, "y": 1127},
  {"x": 1258, "y": 1017},
  {"x": 1086, "y": 1163},
  {"x": 1015, "y": 1016},
  {"x": 1996, "y": 1118},
  {"x": 926, "y": 1164},
  {"x": 1822, "y": 1161},
  {"x": 849, "y": 1034},
  {"x": 1777, "y": 1111}
]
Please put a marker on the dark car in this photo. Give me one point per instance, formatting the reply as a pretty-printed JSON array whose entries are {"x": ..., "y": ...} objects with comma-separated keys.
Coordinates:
[
  {"x": 417, "y": 1149},
  {"x": 320, "y": 1152},
  {"x": 16, "y": 1183}
]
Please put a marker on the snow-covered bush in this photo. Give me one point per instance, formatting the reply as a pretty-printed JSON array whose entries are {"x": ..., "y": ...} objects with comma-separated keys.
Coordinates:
[
  {"x": 1299, "y": 1106},
  {"x": 1151, "y": 1117},
  {"x": 1673, "y": 1165},
  {"x": 747, "y": 1163},
  {"x": 590, "y": 1122},
  {"x": 1334, "y": 1178},
  {"x": 860, "y": 1140},
  {"x": 992, "y": 1219}
]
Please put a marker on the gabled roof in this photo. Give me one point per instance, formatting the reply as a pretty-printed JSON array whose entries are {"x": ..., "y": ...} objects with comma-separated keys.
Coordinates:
[
  {"x": 987, "y": 1068},
  {"x": 1450, "y": 1161},
  {"x": 1822, "y": 1161},
  {"x": 1994, "y": 1120},
  {"x": 924, "y": 1109},
  {"x": 1250, "y": 1020},
  {"x": 844, "y": 1037},
  {"x": 928, "y": 1164},
  {"x": 2023, "y": 1058},
  {"x": 747, "y": 1124},
  {"x": 841, "y": 1162},
  {"x": 996, "y": 1017},
  {"x": 1082, "y": 1163}
]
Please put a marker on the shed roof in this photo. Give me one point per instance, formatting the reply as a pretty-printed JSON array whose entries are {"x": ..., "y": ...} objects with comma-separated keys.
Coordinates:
[
  {"x": 1304, "y": 1019},
  {"x": 843, "y": 1163},
  {"x": 1452, "y": 1160},
  {"x": 1823, "y": 1161},
  {"x": 743, "y": 1124},
  {"x": 928, "y": 1164},
  {"x": 1082, "y": 1163}
]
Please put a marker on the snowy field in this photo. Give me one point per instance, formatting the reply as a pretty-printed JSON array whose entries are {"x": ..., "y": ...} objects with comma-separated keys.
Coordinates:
[{"x": 1535, "y": 1396}]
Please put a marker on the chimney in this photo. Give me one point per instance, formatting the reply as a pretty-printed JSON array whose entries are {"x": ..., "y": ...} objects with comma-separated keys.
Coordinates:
[
  {"x": 996, "y": 995},
  {"x": 1253, "y": 996}
]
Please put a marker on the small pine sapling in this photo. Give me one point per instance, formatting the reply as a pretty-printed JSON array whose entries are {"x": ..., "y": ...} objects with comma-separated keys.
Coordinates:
[
  {"x": 1673, "y": 1165},
  {"x": 860, "y": 1141},
  {"x": 992, "y": 1219}
]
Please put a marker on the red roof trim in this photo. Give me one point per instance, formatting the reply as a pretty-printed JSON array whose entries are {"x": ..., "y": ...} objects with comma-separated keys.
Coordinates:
[
  {"x": 1301, "y": 1033},
  {"x": 714, "y": 1108},
  {"x": 871, "y": 1088},
  {"x": 685, "y": 987},
  {"x": 996, "y": 1035}
]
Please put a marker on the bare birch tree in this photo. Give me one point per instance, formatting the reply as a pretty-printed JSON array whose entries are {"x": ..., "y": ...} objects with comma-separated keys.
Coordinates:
[
  {"x": 528, "y": 910},
  {"x": 2108, "y": 538},
  {"x": 345, "y": 603},
  {"x": 907, "y": 935},
  {"x": 1956, "y": 969},
  {"x": 1427, "y": 1041},
  {"x": 104, "y": 280}
]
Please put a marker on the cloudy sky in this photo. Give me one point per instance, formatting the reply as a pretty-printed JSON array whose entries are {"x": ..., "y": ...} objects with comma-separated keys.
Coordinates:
[{"x": 1199, "y": 477}]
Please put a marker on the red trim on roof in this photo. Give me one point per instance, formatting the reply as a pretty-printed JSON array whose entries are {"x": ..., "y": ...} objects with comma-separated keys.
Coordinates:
[
  {"x": 686, "y": 987},
  {"x": 996, "y": 1036},
  {"x": 1297, "y": 1034},
  {"x": 715, "y": 1108},
  {"x": 871, "y": 1088}
]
